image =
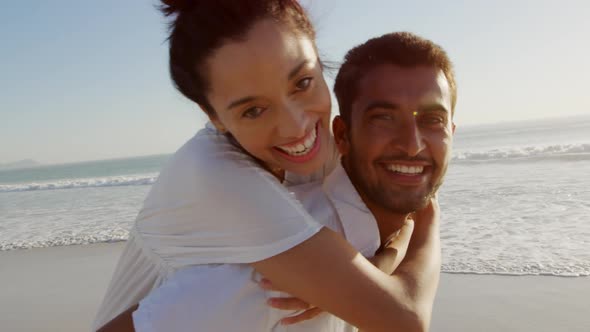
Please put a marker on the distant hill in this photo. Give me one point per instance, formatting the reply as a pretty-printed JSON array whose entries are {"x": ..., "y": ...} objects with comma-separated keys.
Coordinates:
[{"x": 26, "y": 163}]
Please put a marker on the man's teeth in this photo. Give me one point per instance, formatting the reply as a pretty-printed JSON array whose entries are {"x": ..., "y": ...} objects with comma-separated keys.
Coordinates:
[
  {"x": 406, "y": 169},
  {"x": 301, "y": 148}
]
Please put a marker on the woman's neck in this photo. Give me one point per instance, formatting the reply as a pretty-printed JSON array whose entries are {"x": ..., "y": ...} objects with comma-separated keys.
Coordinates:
[{"x": 277, "y": 172}]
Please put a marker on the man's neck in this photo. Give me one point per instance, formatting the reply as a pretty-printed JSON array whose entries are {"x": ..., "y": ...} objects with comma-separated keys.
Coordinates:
[{"x": 387, "y": 221}]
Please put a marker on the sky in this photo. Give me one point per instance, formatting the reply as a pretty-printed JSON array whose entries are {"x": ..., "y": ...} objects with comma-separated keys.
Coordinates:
[{"x": 88, "y": 80}]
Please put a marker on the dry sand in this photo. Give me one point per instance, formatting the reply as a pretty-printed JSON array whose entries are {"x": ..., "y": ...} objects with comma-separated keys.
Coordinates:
[
  {"x": 512, "y": 303},
  {"x": 54, "y": 289},
  {"x": 60, "y": 288}
]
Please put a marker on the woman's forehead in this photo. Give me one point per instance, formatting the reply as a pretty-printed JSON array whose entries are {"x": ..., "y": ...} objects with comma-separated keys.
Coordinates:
[{"x": 268, "y": 52}]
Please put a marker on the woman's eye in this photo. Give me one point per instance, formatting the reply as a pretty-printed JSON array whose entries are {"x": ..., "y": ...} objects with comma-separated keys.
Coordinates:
[
  {"x": 303, "y": 84},
  {"x": 253, "y": 112}
]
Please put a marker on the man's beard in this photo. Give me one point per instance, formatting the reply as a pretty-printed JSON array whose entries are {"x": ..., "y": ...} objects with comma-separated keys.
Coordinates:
[{"x": 394, "y": 200}]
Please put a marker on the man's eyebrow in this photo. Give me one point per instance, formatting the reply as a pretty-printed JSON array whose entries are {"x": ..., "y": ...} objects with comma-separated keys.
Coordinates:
[
  {"x": 296, "y": 70},
  {"x": 381, "y": 104},
  {"x": 433, "y": 107},
  {"x": 240, "y": 101}
]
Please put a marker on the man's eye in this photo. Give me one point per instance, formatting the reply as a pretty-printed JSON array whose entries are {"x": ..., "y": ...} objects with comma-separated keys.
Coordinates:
[
  {"x": 386, "y": 117},
  {"x": 303, "y": 84},
  {"x": 433, "y": 120},
  {"x": 253, "y": 112}
]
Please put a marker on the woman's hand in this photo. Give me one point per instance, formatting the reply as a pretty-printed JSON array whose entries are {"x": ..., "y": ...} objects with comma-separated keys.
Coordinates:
[
  {"x": 429, "y": 215},
  {"x": 290, "y": 303},
  {"x": 393, "y": 251},
  {"x": 387, "y": 259}
]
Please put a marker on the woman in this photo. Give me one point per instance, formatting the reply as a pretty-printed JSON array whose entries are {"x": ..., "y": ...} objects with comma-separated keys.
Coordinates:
[{"x": 253, "y": 67}]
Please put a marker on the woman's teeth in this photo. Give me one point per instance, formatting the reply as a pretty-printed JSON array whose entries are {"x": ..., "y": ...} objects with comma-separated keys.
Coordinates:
[
  {"x": 406, "y": 169},
  {"x": 301, "y": 148}
]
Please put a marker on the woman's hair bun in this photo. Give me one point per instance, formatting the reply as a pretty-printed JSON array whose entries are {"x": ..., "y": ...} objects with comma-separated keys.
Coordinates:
[{"x": 170, "y": 7}]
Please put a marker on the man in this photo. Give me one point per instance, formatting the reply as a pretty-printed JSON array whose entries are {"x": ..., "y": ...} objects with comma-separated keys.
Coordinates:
[{"x": 397, "y": 95}]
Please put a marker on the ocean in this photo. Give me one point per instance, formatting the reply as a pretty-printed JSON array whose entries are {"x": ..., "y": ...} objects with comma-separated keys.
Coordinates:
[{"x": 516, "y": 200}]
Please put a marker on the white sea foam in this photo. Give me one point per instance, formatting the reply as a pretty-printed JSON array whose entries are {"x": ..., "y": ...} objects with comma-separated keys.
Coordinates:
[
  {"x": 512, "y": 202},
  {"x": 85, "y": 215},
  {"x": 107, "y": 236},
  {"x": 545, "y": 152},
  {"x": 501, "y": 268},
  {"x": 113, "y": 181}
]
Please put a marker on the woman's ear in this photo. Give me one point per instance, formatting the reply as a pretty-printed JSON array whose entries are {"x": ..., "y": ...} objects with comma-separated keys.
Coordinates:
[
  {"x": 340, "y": 130},
  {"x": 214, "y": 119},
  {"x": 218, "y": 125}
]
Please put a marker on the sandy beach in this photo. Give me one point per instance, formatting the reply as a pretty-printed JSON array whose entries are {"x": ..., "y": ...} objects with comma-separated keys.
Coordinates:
[
  {"x": 54, "y": 289},
  {"x": 60, "y": 288}
]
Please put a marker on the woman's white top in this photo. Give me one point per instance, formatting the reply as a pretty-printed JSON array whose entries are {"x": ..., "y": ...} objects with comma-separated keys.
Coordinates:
[
  {"x": 212, "y": 203},
  {"x": 227, "y": 297}
]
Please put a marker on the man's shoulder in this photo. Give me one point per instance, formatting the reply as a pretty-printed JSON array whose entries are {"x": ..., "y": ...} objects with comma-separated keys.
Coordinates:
[
  {"x": 315, "y": 200},
  {"x": 309, "y": 193}
]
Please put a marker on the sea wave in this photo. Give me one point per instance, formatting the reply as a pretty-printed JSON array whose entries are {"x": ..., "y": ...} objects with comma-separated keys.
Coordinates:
[
  {"x": 115, "y": 235},
  {"x": 528, "y": 153},
  {"x": 503, "y": 268},
  {"x": 508, "y": 268},
  {"x": 113, "y": 181}
]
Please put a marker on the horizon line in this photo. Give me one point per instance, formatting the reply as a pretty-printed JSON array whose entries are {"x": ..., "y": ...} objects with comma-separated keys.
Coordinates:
[{"x": 466, "y": 125}]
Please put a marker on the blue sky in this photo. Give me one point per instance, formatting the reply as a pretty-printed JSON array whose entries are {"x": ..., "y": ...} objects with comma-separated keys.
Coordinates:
[{"x": 88, "y": 80}]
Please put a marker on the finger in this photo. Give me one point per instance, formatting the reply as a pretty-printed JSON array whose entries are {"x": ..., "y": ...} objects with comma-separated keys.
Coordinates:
[
  {"x": 398, "y": 245},
  {"x": 267, "y": 285},
  {"x": 307, "y": 315},
  {"x": 401, "y": 238},
  {"x": 288, "y": 303}
]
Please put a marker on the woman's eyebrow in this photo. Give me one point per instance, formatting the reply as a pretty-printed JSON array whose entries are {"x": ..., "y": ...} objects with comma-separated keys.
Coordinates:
[
  {"x": 296, "y": 70},
  {"x": 240, "y": 101},
  {"x": 248, "y": 99}
]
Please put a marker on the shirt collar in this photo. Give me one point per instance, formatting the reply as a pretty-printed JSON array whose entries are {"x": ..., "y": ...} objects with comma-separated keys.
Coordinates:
[{"x": 360, "y": 227}]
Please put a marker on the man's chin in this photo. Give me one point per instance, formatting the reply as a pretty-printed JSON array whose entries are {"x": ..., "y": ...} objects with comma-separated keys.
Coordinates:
[{"x": 407, "y": 203}]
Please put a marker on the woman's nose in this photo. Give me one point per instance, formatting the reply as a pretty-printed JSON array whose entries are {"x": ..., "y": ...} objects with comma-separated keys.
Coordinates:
[{"x": 293, "y": 122}]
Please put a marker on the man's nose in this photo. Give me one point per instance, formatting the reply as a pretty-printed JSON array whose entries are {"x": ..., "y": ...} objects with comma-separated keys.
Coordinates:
[
  {"x": 293, "y": 122},
  {"x": 410, "y": 138}
]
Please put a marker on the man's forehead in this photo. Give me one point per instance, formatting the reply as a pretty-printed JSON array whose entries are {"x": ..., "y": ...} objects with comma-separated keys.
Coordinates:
[{"x": 412, "y": 84}]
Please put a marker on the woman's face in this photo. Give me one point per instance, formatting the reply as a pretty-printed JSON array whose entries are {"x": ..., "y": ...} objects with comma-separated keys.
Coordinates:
[{"x": 268, "y": 91}]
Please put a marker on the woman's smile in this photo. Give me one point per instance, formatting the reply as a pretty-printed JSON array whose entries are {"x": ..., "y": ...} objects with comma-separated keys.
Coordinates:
[{"x": 303, "y": 149}]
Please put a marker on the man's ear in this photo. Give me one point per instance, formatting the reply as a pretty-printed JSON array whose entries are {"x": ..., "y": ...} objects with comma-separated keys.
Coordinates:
[
  {"x": 453, "y": 128},
  {"x": 340, "y": 130}
]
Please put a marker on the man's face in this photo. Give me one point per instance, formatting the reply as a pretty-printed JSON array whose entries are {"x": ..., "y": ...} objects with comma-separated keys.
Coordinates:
[{"x": 398, "y": 146}]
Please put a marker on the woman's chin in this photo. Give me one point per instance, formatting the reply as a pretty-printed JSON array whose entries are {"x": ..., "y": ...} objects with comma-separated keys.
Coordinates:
[
  {"x": 309, "y": 167},
  {"x": 304, "y": 164}
]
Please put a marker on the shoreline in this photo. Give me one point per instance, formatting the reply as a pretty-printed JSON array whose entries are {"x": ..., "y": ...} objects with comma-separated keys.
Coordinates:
[{"x": 60, "y": 289}]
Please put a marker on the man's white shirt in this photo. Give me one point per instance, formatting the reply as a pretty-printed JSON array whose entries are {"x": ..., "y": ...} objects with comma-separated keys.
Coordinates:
[{"x": 227, "y": 297}]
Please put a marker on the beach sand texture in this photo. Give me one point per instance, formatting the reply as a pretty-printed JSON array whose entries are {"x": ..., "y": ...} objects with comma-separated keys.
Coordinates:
[{"x": 60, "y": 288}]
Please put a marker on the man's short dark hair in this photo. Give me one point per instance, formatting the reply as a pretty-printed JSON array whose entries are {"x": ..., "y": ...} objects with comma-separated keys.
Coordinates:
[{"x": 403, "y": 49}]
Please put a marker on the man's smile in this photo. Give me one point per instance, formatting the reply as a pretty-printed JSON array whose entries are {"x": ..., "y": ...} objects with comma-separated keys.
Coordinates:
[{"x": 406, "y": 173}]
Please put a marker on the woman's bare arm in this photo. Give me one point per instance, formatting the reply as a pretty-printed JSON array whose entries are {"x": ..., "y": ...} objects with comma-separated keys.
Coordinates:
[
  {"x": 361, "y": 294},
  {"x": 393, "y": 252},
  {"x": 421, "y": 267},
  {"x": 387, "y": 259},
  {"x": 327, "y": 271}
]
